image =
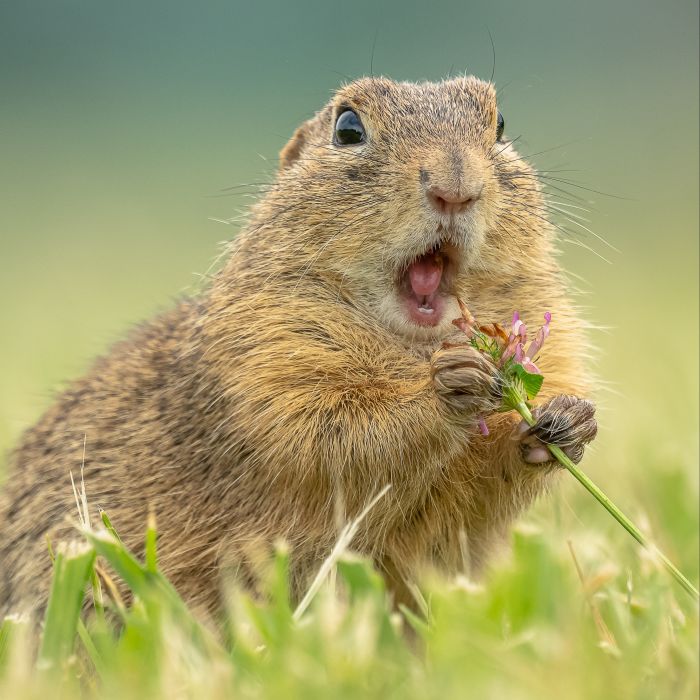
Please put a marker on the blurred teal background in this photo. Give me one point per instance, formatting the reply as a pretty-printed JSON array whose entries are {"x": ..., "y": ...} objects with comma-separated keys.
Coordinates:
[{"x": 120, "y": 124}]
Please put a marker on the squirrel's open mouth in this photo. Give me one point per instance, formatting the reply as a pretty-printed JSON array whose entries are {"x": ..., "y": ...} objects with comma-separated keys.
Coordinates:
[{"x": 425, "y": 282}]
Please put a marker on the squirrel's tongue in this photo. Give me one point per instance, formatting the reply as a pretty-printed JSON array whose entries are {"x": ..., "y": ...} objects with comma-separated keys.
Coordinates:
[{"x": 425, "y": 274}]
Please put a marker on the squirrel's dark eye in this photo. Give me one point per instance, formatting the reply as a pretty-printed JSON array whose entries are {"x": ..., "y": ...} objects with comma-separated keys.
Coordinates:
[
  {"x": 349, "y": 129},
  {"x": 500, "y": 125}
]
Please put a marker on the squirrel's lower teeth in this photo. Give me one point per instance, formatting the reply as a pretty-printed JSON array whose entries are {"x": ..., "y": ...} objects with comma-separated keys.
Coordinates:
[{"x": 424, "y": 307}]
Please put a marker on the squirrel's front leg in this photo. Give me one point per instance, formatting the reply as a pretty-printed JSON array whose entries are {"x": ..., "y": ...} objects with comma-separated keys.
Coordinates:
[
  {"x": 566, "y": 421},
  {"x": 466, "y": 381}
]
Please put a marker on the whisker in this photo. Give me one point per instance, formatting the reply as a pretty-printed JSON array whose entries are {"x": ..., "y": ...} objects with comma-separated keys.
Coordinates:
[{"x": 593, "y": 233}]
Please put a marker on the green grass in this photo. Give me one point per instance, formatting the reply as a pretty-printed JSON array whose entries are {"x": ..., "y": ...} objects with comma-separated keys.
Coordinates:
[{"x": 567, "y": 614}]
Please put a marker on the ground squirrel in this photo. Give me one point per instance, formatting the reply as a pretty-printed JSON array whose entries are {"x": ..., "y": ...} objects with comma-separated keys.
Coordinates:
[{"x": 311, "y": 372}]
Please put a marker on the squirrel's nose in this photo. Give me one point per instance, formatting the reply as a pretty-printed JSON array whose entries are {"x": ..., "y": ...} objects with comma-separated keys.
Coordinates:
[{"x": 450, "y": 202}]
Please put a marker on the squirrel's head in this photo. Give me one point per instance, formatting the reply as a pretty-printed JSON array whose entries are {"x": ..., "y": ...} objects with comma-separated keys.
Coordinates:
[{"x": 399, "y": 193}]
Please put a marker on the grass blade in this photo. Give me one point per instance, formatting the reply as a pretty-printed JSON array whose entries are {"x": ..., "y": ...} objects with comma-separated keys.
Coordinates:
[
  {"x": 150, "y": 586},
  {"x": 72, "y": 569}
]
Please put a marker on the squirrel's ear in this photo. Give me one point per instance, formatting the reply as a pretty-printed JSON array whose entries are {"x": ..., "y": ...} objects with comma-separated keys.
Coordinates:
[
  {"x": 292, "y": 150},
  {"x": 307, "y": 134}
]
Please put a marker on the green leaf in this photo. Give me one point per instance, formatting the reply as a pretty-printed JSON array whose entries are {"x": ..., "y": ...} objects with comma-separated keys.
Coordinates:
[
  {"x": 362, "y": 580},
  {"x": 532, "y": 383},
  {"x": 12, "y": 627},
  {"x": 72, "y": 568},
  {"x": 151, "y": 587},
  {"x": 418, "y": 624}
]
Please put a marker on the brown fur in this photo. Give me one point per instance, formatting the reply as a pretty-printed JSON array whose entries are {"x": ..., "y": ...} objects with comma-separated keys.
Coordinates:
[{"x": 294, "y": 389}]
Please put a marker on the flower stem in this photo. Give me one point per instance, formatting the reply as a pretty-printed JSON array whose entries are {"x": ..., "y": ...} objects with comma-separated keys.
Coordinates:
[{"x": 621, "y": 518}]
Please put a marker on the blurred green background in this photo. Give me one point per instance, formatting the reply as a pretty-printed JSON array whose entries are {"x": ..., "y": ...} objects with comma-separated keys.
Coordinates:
[{"x": 120, "y": 124}]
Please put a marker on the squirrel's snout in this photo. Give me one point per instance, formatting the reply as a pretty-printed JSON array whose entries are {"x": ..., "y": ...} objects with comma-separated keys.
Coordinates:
[
  {"x": 452, "y": 182},
  {"x": 446, "y": 201}
]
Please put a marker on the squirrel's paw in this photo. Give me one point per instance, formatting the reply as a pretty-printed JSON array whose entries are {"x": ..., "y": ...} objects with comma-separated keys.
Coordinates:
[
  {"x": 465, "y": 379},
  {"x": 565, "y": 421}
]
